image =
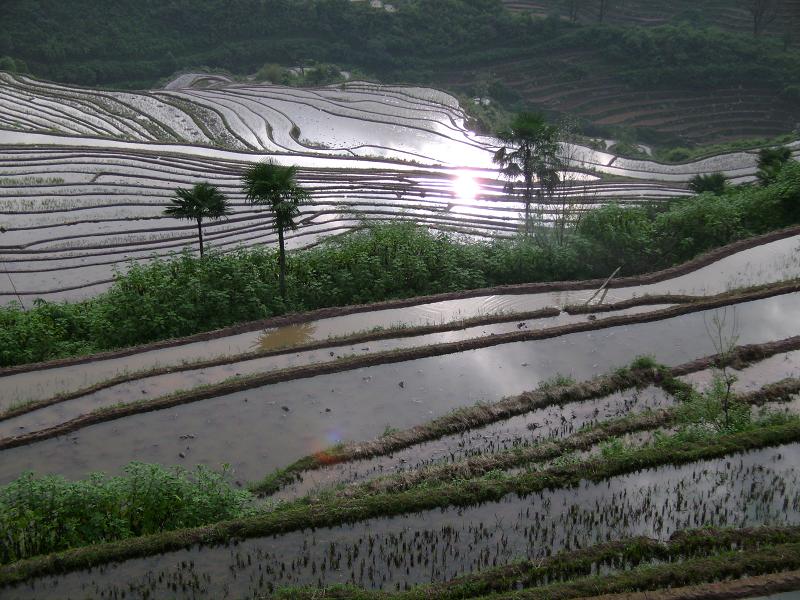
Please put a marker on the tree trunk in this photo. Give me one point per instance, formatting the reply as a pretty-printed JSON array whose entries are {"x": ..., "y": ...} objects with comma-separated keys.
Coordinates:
[
  {"x": 281, "y": 263},
  {"x": 200, "y": 235},
  {"x": 528, "y": 198},
  {"x": 528, "y": 174}
]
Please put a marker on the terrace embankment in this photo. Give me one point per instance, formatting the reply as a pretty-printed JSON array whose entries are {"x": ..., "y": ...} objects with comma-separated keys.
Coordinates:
[
  {"x": 638, "y": 504},
  {"x": 273, "y": 425}
]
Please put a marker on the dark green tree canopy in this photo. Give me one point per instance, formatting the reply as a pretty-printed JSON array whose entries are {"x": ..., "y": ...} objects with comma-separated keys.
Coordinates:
[
  {"x": 530, "y": 151},
  {"x": 770, "y": 163},
  {"x": 714, "y": 183},
  {"x": 275, "y": 186},
  {"x": 201, "y": 202}
]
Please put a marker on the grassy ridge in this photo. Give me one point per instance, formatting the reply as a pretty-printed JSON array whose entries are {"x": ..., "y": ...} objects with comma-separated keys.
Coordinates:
[{"x": 181, "y": 296}]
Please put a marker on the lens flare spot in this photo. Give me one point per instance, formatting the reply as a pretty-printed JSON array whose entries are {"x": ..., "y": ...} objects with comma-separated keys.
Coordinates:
[{"x": 465, "y": 187}]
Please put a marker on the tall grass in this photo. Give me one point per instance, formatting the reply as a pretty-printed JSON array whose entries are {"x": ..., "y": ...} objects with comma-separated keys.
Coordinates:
[{"x": 39, "y": 515}]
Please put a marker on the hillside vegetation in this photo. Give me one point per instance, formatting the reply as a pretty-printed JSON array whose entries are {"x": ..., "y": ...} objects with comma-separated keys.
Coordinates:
[
  {"x": 612, "y": 76},
  {"x": 163, "y": 299},
  {"x": 780, "y": 19}
]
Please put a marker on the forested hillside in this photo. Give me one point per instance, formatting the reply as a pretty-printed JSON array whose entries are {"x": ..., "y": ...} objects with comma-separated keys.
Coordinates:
[
  {"x": 630, "y": 76},
  {"x": 771, "y": 17}
]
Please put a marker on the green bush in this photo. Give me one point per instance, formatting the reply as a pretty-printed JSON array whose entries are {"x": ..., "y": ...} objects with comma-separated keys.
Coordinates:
[
  {"x": 617, "y": 236},
  {"x": 182, "y": 295},
  {"x": 677, "y": 154},
  {"x": 39, "y": 515},
  {"x": 714, "y": 183}
]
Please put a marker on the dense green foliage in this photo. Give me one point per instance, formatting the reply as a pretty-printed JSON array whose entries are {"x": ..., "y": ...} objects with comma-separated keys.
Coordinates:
[
  {"x": 184, "y": 295},
  {"x": 770, "y": 163},
  {"x": 46, "y": 514},
  {"x": 135, "y": 43},
  {"x": 275, "y": 186},
  {"x": 200, "y": 202},
  {"x": 141, "y": 41},
  {"x": 713, "y": 182},
  {"x": 700, "y": 58}
]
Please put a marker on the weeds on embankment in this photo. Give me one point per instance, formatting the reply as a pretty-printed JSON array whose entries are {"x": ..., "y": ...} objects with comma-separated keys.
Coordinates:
[{"x": 39, "y": 515}]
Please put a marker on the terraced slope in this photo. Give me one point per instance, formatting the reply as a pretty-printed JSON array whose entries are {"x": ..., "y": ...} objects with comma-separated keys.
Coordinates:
[
  {"x": 733, "y": 16},
  {"x": 85, "y": 175},
  {"x": 672, "y": 74},
  {"x": 338, "y": 121},
  {"x": 577, "y": 83},
  {"x": 488, "y": 459}
]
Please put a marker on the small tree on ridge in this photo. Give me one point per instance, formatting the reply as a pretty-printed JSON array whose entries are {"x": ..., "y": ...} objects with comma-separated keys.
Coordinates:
[
  {"x": 530, "y": 151},
  {"x": 275, "y": 186},
  {"x": 203, "y": 201}
]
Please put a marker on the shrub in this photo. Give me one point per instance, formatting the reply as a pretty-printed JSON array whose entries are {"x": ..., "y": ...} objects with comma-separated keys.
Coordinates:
[
  {"x": 677, "y": 154},
  {"x": 39, "y": 515},
  {"x": 715, "y": 183}
]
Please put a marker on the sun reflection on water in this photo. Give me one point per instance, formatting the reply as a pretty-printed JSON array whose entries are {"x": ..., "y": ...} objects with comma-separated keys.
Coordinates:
[{"x": 465, "y": 187}]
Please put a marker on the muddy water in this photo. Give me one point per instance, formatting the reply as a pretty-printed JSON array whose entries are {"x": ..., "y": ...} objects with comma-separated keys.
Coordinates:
[
  {"x": 270, "y": 341},
  {"x": 262, "y": 429},
  {"x": 46, "y": 383},
  {"x": 767, "y": 263},
  {"x": 153, "y": 387},
  {"x": 757, "y": 488},
  {"x": 554, "y": 422}
]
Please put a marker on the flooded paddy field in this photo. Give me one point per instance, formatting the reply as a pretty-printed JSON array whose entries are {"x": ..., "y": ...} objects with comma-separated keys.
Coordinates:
[
  {"x": 262, "y": 429},
  {"x": 771, "y": 262},
  {"x": 85, "y": 174},
  {"x": 148, "y": 387},
  {"x": 755, "y": 488},
  {"x": 544, "y": 424},
  {"x": 752, "y": 377},
  {"x": 100, "y": 226}
]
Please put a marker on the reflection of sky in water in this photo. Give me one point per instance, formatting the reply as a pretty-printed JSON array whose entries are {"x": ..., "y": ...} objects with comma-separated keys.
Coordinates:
[
  {"x": 465, "y": 187},
  {"x": 257, "y": 435}
]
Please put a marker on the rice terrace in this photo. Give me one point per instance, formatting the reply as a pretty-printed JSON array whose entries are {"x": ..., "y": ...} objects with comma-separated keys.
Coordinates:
[{"x": 394, "y": 300}]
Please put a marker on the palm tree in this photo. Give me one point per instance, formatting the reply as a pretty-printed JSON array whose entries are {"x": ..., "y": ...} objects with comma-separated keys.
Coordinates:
[
  {"x": 276, "y": 187},
  {"x": 530, "y": 150},
  {"x": 203, "y": 201}
]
